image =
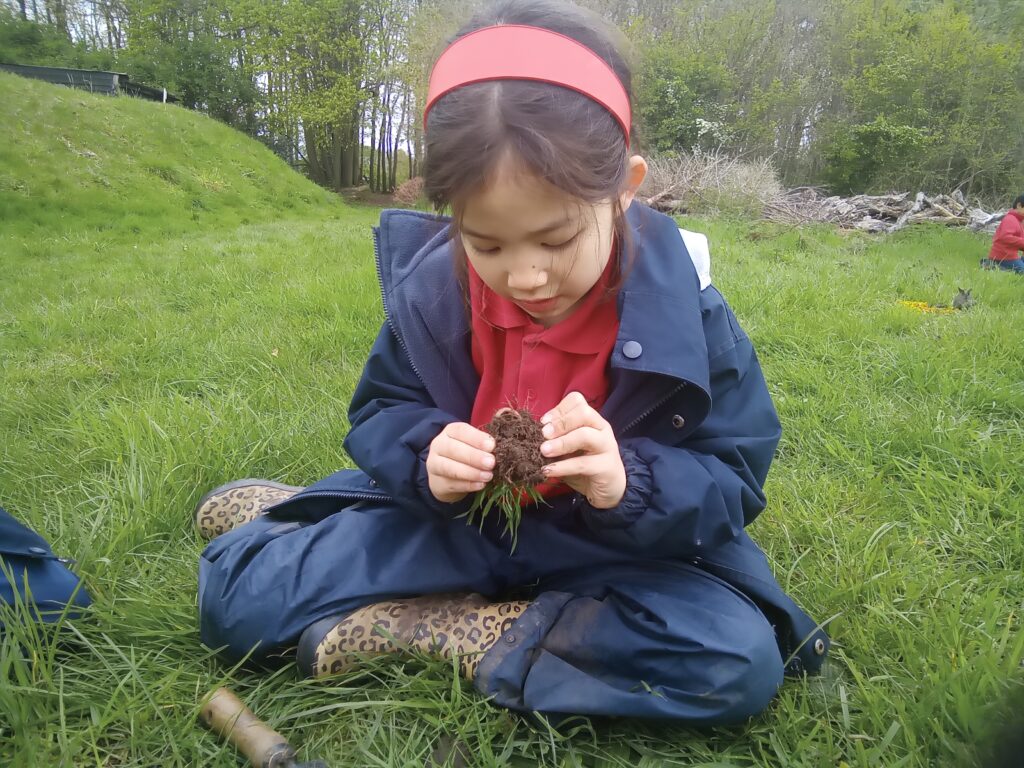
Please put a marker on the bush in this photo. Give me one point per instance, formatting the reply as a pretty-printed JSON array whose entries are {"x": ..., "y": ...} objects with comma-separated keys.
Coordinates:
[
  {"x": 31, "y": 43},
  {"x": 874, "y": 156}
]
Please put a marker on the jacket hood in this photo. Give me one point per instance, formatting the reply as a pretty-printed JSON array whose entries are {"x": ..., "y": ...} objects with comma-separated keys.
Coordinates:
[{"x": 659, "y": 305}]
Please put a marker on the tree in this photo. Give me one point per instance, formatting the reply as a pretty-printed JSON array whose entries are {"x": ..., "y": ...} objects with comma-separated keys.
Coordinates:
[{"x": 183, "y": 45}]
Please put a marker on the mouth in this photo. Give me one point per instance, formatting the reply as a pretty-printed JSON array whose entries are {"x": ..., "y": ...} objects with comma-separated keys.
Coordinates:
[{"x": 537, "y": 306}]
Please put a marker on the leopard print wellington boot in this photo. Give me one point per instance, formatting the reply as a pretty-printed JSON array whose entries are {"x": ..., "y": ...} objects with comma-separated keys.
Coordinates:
[
  {"x": 462, "y": 625},
  {"x": 233, "y": 504}
]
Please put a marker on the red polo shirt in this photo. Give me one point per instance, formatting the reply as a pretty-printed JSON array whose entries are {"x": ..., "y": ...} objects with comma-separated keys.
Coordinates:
[
  {"x": 1009, "y": 237},
  {"x": 525, "y": 365}
]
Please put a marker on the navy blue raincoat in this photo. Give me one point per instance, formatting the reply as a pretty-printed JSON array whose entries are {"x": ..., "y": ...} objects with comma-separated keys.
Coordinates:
[
  {"x": 661, "y": 607},
  {"x": 33, "y": 577}
]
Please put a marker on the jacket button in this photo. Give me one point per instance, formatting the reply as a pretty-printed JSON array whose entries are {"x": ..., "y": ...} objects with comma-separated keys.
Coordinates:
[
  {"x": 373, "y": 482},
  {"x": 819, "y": 647},
  {"x": 632, "y": 349},
  {"x": 678, "y": 421}
]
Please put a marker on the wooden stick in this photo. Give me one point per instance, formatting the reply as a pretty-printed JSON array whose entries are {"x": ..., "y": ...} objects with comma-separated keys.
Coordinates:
[{"x": 226, "y": 715}]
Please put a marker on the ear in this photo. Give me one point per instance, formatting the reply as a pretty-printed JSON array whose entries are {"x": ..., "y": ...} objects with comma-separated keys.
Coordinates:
[{"x": 635, "y": 175}]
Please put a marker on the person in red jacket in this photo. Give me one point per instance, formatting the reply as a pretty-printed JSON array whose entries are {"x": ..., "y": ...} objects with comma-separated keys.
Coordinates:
[{"x": 1008, "y": 241}]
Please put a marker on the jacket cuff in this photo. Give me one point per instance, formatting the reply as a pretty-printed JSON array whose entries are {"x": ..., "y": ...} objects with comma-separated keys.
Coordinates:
[
  {"x": 639, "y": 486},
  {"x": 446, "y": 510}
]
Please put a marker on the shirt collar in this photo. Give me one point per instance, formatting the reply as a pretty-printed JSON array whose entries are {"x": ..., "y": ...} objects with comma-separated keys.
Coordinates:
[{"x": 588, "y": 330}]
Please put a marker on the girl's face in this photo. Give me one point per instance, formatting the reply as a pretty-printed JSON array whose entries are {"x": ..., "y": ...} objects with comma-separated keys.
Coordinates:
[{"x": 538, "y": 246}]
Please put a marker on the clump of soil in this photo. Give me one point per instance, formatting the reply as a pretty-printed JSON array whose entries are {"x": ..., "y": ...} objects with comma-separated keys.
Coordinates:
[
  {"x": 517, "y": 440},
  {"x": 517, "y": 470}
]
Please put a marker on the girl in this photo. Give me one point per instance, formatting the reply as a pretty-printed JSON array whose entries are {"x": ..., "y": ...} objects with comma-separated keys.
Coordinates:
[
  {"x": 1008, "y": 240},
  {"x": 634, "y": 590}
]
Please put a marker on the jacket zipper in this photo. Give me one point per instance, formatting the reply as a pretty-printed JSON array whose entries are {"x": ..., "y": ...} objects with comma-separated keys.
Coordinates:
[
  {"x": 339, "y": 494},
  {"x": 384, "y": 303},
  {"x": 346, "y": 494},
  {"x": 653, "y": 408}
]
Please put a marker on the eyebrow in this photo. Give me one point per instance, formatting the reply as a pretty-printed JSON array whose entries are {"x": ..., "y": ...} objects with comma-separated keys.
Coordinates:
[{"x": 542, "y": 231}]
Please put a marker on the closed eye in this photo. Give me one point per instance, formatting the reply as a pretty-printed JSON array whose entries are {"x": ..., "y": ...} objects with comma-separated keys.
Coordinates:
[{"x": 561, "y": 246}]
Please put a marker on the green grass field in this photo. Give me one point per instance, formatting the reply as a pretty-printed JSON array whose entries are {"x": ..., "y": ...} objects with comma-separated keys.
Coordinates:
[{"x": 178, "y": 309}]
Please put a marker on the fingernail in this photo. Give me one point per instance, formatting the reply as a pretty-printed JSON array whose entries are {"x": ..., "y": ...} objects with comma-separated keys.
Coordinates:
[
  {"x": 545, "y": 448},
  {"x": 545, "y": 418},
  {"x": 548, "y": 430},
  {"x": 486, "y": 476},
  {"x": 488, "y": 461},
  {"x": 489, "y": 445}
]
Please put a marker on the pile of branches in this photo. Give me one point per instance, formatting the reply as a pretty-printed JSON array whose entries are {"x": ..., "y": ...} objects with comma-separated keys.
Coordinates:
[
  {"x": 709, "y": 182},
  {"x": 879, "y": 213},
  {"x": 712, "y": 182}
]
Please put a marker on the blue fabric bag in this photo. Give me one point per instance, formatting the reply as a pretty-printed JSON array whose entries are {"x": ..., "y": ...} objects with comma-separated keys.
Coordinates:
[{"x": 27, "y": 560}]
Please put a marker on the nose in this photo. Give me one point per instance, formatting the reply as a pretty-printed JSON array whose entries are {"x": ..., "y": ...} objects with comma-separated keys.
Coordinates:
[{"x": 526, "y": 277}]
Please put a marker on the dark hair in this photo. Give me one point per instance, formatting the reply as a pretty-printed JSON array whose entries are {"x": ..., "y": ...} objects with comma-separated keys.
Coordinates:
[
  {"x": 562, "y": 136},
  {"x": 1018, "y": 201}
]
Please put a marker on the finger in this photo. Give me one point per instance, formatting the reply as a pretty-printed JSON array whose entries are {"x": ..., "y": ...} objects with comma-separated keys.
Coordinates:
[
  {"x": 470, "y": 435},
  {"x": 461, "y": 486},
  {"x": 577, "y": 414},
  {"x": 586, "y": 439},
  {"x": 465, "y": 454},
  {"x": 569, "y": 403},
  {"x": 449, "y": 469},
  {"x": 578, "y": 466}
]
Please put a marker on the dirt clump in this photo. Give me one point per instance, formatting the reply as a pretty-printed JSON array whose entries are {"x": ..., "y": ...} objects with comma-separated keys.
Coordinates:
[{"x": 517, "y": 440}]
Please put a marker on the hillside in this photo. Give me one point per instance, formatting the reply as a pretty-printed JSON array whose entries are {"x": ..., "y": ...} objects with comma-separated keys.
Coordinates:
[{"x": 73, "y": 161}]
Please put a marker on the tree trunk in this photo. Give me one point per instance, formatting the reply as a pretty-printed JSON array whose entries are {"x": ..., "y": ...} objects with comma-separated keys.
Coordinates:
[
  {"x": 336, "y": 153},
  {"x": 108, "y": 23},
  {"x": 356, "y": 154},
  {"x": 371, "y": 169},
  {"x": 410, "y": 126},
  {"x": 313, "y": 156},
  {"x": 345, "y": 179},
  {"x": 384, "y": 140},
  {"x": 396, "y": 143},
  {"x": 60, "y": 17},
  {"x": 24, "y": 10},
  {"x": 406, "y": 128},
  {"x": 362, "y": 144},
  {"x": 381, "y": 156}
]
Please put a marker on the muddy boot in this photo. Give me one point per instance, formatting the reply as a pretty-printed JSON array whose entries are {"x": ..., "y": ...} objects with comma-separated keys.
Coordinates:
[
  {"x": 233, "y": 504},
  {"x": 463, "y": 625}
]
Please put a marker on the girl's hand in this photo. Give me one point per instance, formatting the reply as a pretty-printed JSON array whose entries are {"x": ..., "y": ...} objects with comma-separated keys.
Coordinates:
[
  {"x": 595, "y": 466},
  {"x": 459, "y": 462}
]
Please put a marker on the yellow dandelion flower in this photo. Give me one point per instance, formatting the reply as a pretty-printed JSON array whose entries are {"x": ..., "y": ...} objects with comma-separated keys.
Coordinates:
[{"x": 924, "y": 306}]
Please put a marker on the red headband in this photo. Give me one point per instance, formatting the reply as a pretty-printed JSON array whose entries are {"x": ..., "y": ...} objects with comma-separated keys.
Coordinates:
[{"x": 518, "y": 52}]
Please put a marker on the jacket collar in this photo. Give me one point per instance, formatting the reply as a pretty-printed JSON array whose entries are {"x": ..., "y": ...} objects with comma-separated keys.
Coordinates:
[{"x": 660, "y": 328}]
